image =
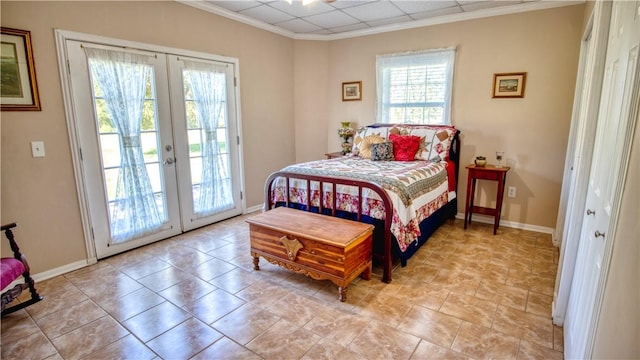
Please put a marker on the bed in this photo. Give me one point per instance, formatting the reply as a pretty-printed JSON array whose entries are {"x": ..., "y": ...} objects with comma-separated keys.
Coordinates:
[{"x": 402, "y": 179}]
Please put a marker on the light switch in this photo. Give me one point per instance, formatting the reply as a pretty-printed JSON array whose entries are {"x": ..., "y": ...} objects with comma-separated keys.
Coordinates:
[{"x": 37, "y": 149}]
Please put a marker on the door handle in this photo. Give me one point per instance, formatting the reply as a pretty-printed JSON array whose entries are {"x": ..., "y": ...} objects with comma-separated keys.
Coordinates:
[
  {"x": 591, "y": 212},
  {"x": 598, "y": 234},
  {"x": 169, "y": 161}
]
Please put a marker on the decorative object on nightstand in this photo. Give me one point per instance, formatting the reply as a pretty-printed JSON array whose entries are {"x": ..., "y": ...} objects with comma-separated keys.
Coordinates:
[
  {"x": 346, "y": 132},
  {"x": 487, "y": 172},
  {"x": 480, "y": 161}
]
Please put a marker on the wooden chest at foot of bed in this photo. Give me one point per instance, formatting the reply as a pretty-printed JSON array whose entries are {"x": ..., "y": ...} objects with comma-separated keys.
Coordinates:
[{"x": 319, "y": 246}]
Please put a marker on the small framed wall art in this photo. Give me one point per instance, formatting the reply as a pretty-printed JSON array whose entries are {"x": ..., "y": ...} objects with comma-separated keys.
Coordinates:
[
  {"x": 18, "y": 86},
  {"x": 509, "y": 85},
  {"x": 352, "y": 91}
]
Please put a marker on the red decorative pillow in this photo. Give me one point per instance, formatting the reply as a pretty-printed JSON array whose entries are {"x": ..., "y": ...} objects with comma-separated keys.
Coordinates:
[{"x": 405, "y": 146}]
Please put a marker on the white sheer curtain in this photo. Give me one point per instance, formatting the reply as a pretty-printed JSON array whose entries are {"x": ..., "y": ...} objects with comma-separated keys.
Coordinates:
[
  {"x": 415, "y": 87},
  {"x": 208, "y": 85},
  {"x": 122, "y": 78}
]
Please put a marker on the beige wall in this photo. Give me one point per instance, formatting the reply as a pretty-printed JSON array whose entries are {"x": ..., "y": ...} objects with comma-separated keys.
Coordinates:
[
  {"x": 532, "y": 131},
  {"x": 39, "y": 193},
  {"x": 291, "y": 102}
]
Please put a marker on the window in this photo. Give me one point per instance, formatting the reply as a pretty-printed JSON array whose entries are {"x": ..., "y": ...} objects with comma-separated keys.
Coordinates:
[{"x": 415, "y": 88}]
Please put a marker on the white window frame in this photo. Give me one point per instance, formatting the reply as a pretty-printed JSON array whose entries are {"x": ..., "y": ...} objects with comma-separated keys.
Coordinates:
[{"x": 384, "y": 63}]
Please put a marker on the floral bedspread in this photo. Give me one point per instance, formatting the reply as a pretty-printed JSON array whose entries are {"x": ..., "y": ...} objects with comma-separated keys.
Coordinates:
[{"x": 416, "y": 189}]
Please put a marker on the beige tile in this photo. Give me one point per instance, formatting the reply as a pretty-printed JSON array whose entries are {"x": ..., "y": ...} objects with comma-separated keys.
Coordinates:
[
  {"x": 524, "y": 325},
  {"x": 387, "y": 309},
  {"x": 380, "y": 341},
  {"x": 512, "y": 296},
  {"x": 213, "y": 306},
  {"x": 430, "y": 325},
  {"x": 165, "y": 278},
  {"x": 184, "y": 340},
  {"x": 263, "y": 293},
  {"x": 481, "y": 343},
  {"x": 245, "y": 323},
  {"x": 187, "y": 291},
  {"x": 17, "y": 325},
  {"x": 132, "y": 304},
  {"x": 89, "y": 338},
  {"x": 337, "y": 327},
  {"x": 427, "y": 350},
  {"x": 32, "y": 346},
  {"x": 539, "y": 283},
  {"x": 328, "y": 350},
  {"x": 235, "y": 280},
  {"x": 185, "y": 258},
  {"x": 156, "y": 321},
  {"x": 423, "y": 294},
  {"x": 143, "y": 268},
  {"x": 539, "y": 304},
  {"x": 456, "y": 281},
  {"x": 71, "y": 318},
  {"x": 558, "y": 338},
  {"x": 529, "y": 350},
  {"x": 470, "y": 308},
  {"x": 298, "y": 309},
  {"x": 284, "y": 340},
  {"x": 56, "y": 301},
  {"x": 125, "y": 348},
  {"x": 211, "y": 269},
  {"x": 225, "y": 349}
]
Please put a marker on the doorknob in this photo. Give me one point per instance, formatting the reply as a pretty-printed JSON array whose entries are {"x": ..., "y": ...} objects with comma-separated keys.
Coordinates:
[
  {"x": 590, "y": 212},
  {"x": 169, "y": 161},
  {"x": 598, "y": 234}
]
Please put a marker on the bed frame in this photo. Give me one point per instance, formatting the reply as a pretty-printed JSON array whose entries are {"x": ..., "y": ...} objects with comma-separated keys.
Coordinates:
[{"x": 386, "y": 256}]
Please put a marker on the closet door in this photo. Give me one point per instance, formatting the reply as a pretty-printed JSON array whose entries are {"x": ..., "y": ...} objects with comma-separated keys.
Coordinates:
[
  {"x": 207, "y": 143},
  {"x": 122, "y": 113}
]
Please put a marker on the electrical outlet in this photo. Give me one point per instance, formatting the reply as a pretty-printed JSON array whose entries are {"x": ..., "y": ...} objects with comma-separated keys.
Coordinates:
[
  {"x": 37, "y": 149},
  {"x": 511, "y": 191}
]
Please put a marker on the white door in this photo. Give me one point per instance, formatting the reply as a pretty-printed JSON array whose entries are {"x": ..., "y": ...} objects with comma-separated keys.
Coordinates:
[
  {"x": 618, "y": 107},
  {"x": 153, "y": 165},
  {"x": 205, "y": 132}
]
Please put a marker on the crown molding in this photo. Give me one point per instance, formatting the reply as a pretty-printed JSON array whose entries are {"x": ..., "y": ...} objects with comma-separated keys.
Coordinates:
[{"x": 478, "y": 14}]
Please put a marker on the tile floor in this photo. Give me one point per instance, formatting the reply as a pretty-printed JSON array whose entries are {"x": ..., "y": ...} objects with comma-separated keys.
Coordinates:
[{"x": 465, "y": 294}]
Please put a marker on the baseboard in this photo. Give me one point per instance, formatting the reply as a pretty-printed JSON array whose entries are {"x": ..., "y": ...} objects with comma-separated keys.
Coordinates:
[
  {"x": 49, "y": 274},
  {"x": 512, "y": 224},
  {"x": 258, "y": 207}
]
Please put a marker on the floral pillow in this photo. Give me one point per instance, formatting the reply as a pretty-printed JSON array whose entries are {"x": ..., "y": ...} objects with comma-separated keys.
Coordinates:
[
  {"x": 367, "y": 142},
  {"x": 382, "y": 151},
  {"x": 435, "y": 141},
  {"x": 405, "y": 146}
]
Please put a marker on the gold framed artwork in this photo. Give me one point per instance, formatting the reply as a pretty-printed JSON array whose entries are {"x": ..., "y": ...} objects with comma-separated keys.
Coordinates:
[
  {"x": 352, "y": 91},
  {"x": 18, "y": 86},
  {"x": 509, "y": 85}
]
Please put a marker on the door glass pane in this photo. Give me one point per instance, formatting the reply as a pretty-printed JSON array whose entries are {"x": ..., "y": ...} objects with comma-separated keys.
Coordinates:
[
  {"x": 125, "y": 105},
  {"x": 207, "y": 127}
]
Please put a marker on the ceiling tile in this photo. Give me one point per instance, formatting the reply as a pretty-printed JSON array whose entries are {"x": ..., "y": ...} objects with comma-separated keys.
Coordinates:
[
  {"x": 373, "y": 11},
  {"x": 331, "y": 19},
  {"x": 412, "y": 7},
  {"x": 299, "y": 26},
  {"x": 298, "y": 10},
  {"x": 395, "y": 20},
  {"x": 436, "y": 13},
  {"x": 484, "y": 5},
  {"x": 267, "y": 14},
  {"x": 345, "y": 4},
  {"x": 347, "y": 28},
  {"x": 235, "y": 5}
]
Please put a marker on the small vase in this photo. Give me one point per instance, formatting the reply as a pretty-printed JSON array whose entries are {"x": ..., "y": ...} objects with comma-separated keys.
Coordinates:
[{"x": 480, "y": 161}]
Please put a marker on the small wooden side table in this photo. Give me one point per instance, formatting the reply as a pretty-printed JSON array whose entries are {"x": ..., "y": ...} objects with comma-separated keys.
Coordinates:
[
  {"x": 487, "y": 172},
  {"x": 332, "y": 155}
]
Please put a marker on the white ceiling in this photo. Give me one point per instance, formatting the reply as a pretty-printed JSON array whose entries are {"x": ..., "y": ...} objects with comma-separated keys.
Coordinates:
[{"x": 328, "y": 20}]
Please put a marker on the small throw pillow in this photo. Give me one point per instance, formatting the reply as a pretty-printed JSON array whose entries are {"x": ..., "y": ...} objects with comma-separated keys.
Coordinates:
[
  {"x": 404, "y": 147},
  {"x": 365, "y": 145},
  {"x": 382, "y": 151}
]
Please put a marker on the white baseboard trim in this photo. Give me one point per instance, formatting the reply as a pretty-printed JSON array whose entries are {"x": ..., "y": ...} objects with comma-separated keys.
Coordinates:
[
  {"x": 512, "y": 224},
  {"x": 258, "y": 207},
  {"x": 46, "y": 275}
]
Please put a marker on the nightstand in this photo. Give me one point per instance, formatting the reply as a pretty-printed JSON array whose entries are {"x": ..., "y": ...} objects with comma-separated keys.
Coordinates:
[
  {"x": 332, "y": 155},
  {"x": 487, "y": 172}
]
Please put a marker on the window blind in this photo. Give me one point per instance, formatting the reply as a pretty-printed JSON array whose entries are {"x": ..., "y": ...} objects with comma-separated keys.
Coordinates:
[{"x": 415, "y": 88}]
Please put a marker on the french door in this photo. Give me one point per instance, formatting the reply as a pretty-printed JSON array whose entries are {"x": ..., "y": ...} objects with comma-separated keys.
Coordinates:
[{"x": 158, "y": 141}]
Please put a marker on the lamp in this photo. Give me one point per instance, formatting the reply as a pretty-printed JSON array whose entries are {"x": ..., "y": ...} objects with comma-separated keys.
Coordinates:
[{"x": 346, "y": 132}]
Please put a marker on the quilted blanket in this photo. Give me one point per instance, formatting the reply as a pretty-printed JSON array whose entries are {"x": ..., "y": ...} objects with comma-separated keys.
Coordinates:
[{"x": 416, "y": 190}]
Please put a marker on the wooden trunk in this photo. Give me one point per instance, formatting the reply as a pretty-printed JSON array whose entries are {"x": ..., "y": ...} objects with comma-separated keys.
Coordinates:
[{"x": 319, "y": 246}]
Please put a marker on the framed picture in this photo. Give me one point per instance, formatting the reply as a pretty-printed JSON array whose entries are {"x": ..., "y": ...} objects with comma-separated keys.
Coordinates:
[
  {"x": 352, "y": 91},
  {"x": 509, "y": 85},
  {"x": 18, "y": 87}
]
